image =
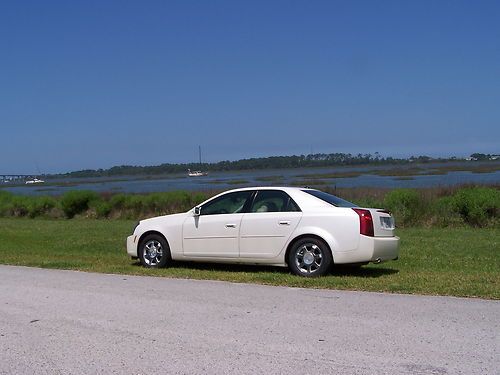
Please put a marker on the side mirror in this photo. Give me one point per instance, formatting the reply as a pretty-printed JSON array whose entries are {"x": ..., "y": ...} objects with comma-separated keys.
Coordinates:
[{"x": 197, "y": 211}]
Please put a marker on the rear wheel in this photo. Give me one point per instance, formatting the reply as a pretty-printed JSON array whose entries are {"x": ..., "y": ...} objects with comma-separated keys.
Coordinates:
[
  {"x": 310, "y": 257},
  {"x": 154, "y": 251}
]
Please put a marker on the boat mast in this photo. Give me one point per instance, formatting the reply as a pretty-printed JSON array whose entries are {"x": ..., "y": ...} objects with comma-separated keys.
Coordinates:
[{"x": 199, "y": 152}]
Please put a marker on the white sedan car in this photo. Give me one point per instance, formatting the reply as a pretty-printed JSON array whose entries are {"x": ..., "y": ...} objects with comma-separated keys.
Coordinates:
[{"x": 304, "y": 229}]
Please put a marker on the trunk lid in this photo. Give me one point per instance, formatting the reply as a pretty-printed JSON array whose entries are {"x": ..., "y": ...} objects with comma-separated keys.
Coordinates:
[{"x": 383, "y": 222}]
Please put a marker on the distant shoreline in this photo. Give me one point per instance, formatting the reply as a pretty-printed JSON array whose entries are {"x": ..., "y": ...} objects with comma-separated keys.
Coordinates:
[
  {"x": 376, "y": 176},
  {"x": 387, "y": 169},
  {"x": 337, "y": 160}
]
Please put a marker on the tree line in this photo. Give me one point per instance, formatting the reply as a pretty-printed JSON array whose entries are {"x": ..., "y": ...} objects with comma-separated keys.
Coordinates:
[{"x": 271, "y": 162}]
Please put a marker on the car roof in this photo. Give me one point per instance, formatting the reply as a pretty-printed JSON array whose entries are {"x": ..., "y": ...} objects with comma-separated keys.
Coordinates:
[{"x": 284, "y": 188}]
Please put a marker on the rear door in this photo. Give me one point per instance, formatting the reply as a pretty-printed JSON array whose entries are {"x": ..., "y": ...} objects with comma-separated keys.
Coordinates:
[{"x": 268, "y": 225}]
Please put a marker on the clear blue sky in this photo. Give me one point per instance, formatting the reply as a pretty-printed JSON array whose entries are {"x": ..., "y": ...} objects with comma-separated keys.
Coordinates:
[{"x": 93, "y": 84}]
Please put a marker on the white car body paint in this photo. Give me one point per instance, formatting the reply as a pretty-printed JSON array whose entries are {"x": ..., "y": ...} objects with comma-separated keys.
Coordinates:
[{"x": 264, "y": 237}]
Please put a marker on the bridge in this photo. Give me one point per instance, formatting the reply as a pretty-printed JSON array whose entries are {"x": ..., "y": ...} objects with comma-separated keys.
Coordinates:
[{"x": 16, "y": 177}]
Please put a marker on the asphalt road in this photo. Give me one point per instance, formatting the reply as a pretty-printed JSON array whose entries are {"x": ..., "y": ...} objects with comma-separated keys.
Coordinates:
[{"x": 64, "y": 322}]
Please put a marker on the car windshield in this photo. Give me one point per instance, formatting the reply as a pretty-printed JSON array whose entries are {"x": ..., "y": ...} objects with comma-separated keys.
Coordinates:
[{"x": 329, "y": 198}]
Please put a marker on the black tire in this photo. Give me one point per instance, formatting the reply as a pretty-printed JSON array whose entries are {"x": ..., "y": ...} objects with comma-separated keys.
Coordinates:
[
  {"x": 310, "y": 257},
  {"x": 154, "y": 251}
]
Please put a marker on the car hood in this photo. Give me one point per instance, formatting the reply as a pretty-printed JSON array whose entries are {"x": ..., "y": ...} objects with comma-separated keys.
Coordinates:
[{"x": 165, "y": 219}]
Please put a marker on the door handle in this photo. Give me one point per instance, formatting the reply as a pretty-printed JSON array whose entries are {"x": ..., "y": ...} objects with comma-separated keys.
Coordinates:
[
  {"x": 284, "y": 222},
  {"x": 230, "y": 225}
]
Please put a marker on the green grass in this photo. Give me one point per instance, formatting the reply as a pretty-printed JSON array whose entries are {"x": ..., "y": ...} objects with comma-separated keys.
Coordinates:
[{"x": 447, "y": 261}]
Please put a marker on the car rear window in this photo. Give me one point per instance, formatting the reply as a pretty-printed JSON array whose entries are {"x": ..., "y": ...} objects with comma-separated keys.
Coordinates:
[{"x": 330, "y": 198}]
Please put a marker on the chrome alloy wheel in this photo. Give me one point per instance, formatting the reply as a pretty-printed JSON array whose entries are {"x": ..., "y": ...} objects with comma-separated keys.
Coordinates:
[
  {"x": 308, "y": 258},
  {"x": 152, "y": 252}
]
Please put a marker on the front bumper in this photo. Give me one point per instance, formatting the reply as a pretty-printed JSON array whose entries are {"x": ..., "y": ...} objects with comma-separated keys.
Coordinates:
[{"x": 132, "y": 245}]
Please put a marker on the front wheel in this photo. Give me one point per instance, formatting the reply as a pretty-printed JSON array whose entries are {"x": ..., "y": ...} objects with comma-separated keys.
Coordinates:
[
  {"x": 310, "y": 257},
  {"x": 154, "y": 251}
]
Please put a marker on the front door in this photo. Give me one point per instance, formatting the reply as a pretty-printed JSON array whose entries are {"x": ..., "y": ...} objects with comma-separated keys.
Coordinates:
[{"x": 215, "y": 232}]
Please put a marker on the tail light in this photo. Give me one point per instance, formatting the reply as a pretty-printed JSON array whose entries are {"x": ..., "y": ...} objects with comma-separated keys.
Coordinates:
[{"x": 365, "y": 222}]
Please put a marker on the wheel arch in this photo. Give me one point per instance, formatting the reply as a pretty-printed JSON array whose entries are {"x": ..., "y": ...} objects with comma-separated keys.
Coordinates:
[
  {"x": 147, "y": 233},
  {"x": 306, "y": 235}
]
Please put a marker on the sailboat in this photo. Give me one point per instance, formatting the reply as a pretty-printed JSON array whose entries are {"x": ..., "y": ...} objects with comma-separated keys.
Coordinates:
[
  {"x": 35, "y": 181},
  {"x": 197, "y": 173}
]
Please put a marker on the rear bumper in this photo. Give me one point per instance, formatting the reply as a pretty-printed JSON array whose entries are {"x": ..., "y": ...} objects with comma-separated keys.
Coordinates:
[
  {"x": 384, "y": 248},
  {"x": 370, "y": 249}
]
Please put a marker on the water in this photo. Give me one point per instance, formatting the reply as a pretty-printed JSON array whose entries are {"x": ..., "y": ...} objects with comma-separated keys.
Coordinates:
[{"x": 228, "y": 180}]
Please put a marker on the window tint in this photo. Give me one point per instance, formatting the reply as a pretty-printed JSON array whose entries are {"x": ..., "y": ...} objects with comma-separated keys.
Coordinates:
[
  {"x": 292, "y": 206},
  {"x": 329, "y": 198},
  {"x": 229, "y": 203},
  {"x": 273, "y": 201}
]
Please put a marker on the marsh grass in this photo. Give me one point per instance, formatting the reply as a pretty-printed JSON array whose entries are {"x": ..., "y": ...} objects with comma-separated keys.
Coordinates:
[
  {"x": 270, "y": 179},
  {"x": 404, "y": 178},
  {"x": 232, "y": 182},
  {"x": 452, "y": 261},
  {"x": 408, "y": 171},
  {"x": 310, "y": 183},
  {"x": 331, "y": 175},
  {"x": 442, "y": 206}
]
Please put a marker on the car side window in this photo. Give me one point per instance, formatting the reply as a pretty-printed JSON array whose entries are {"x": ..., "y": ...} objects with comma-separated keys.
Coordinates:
[
  {"x": 273, "y": 201},
  {"x": 229, "y": 203}
]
